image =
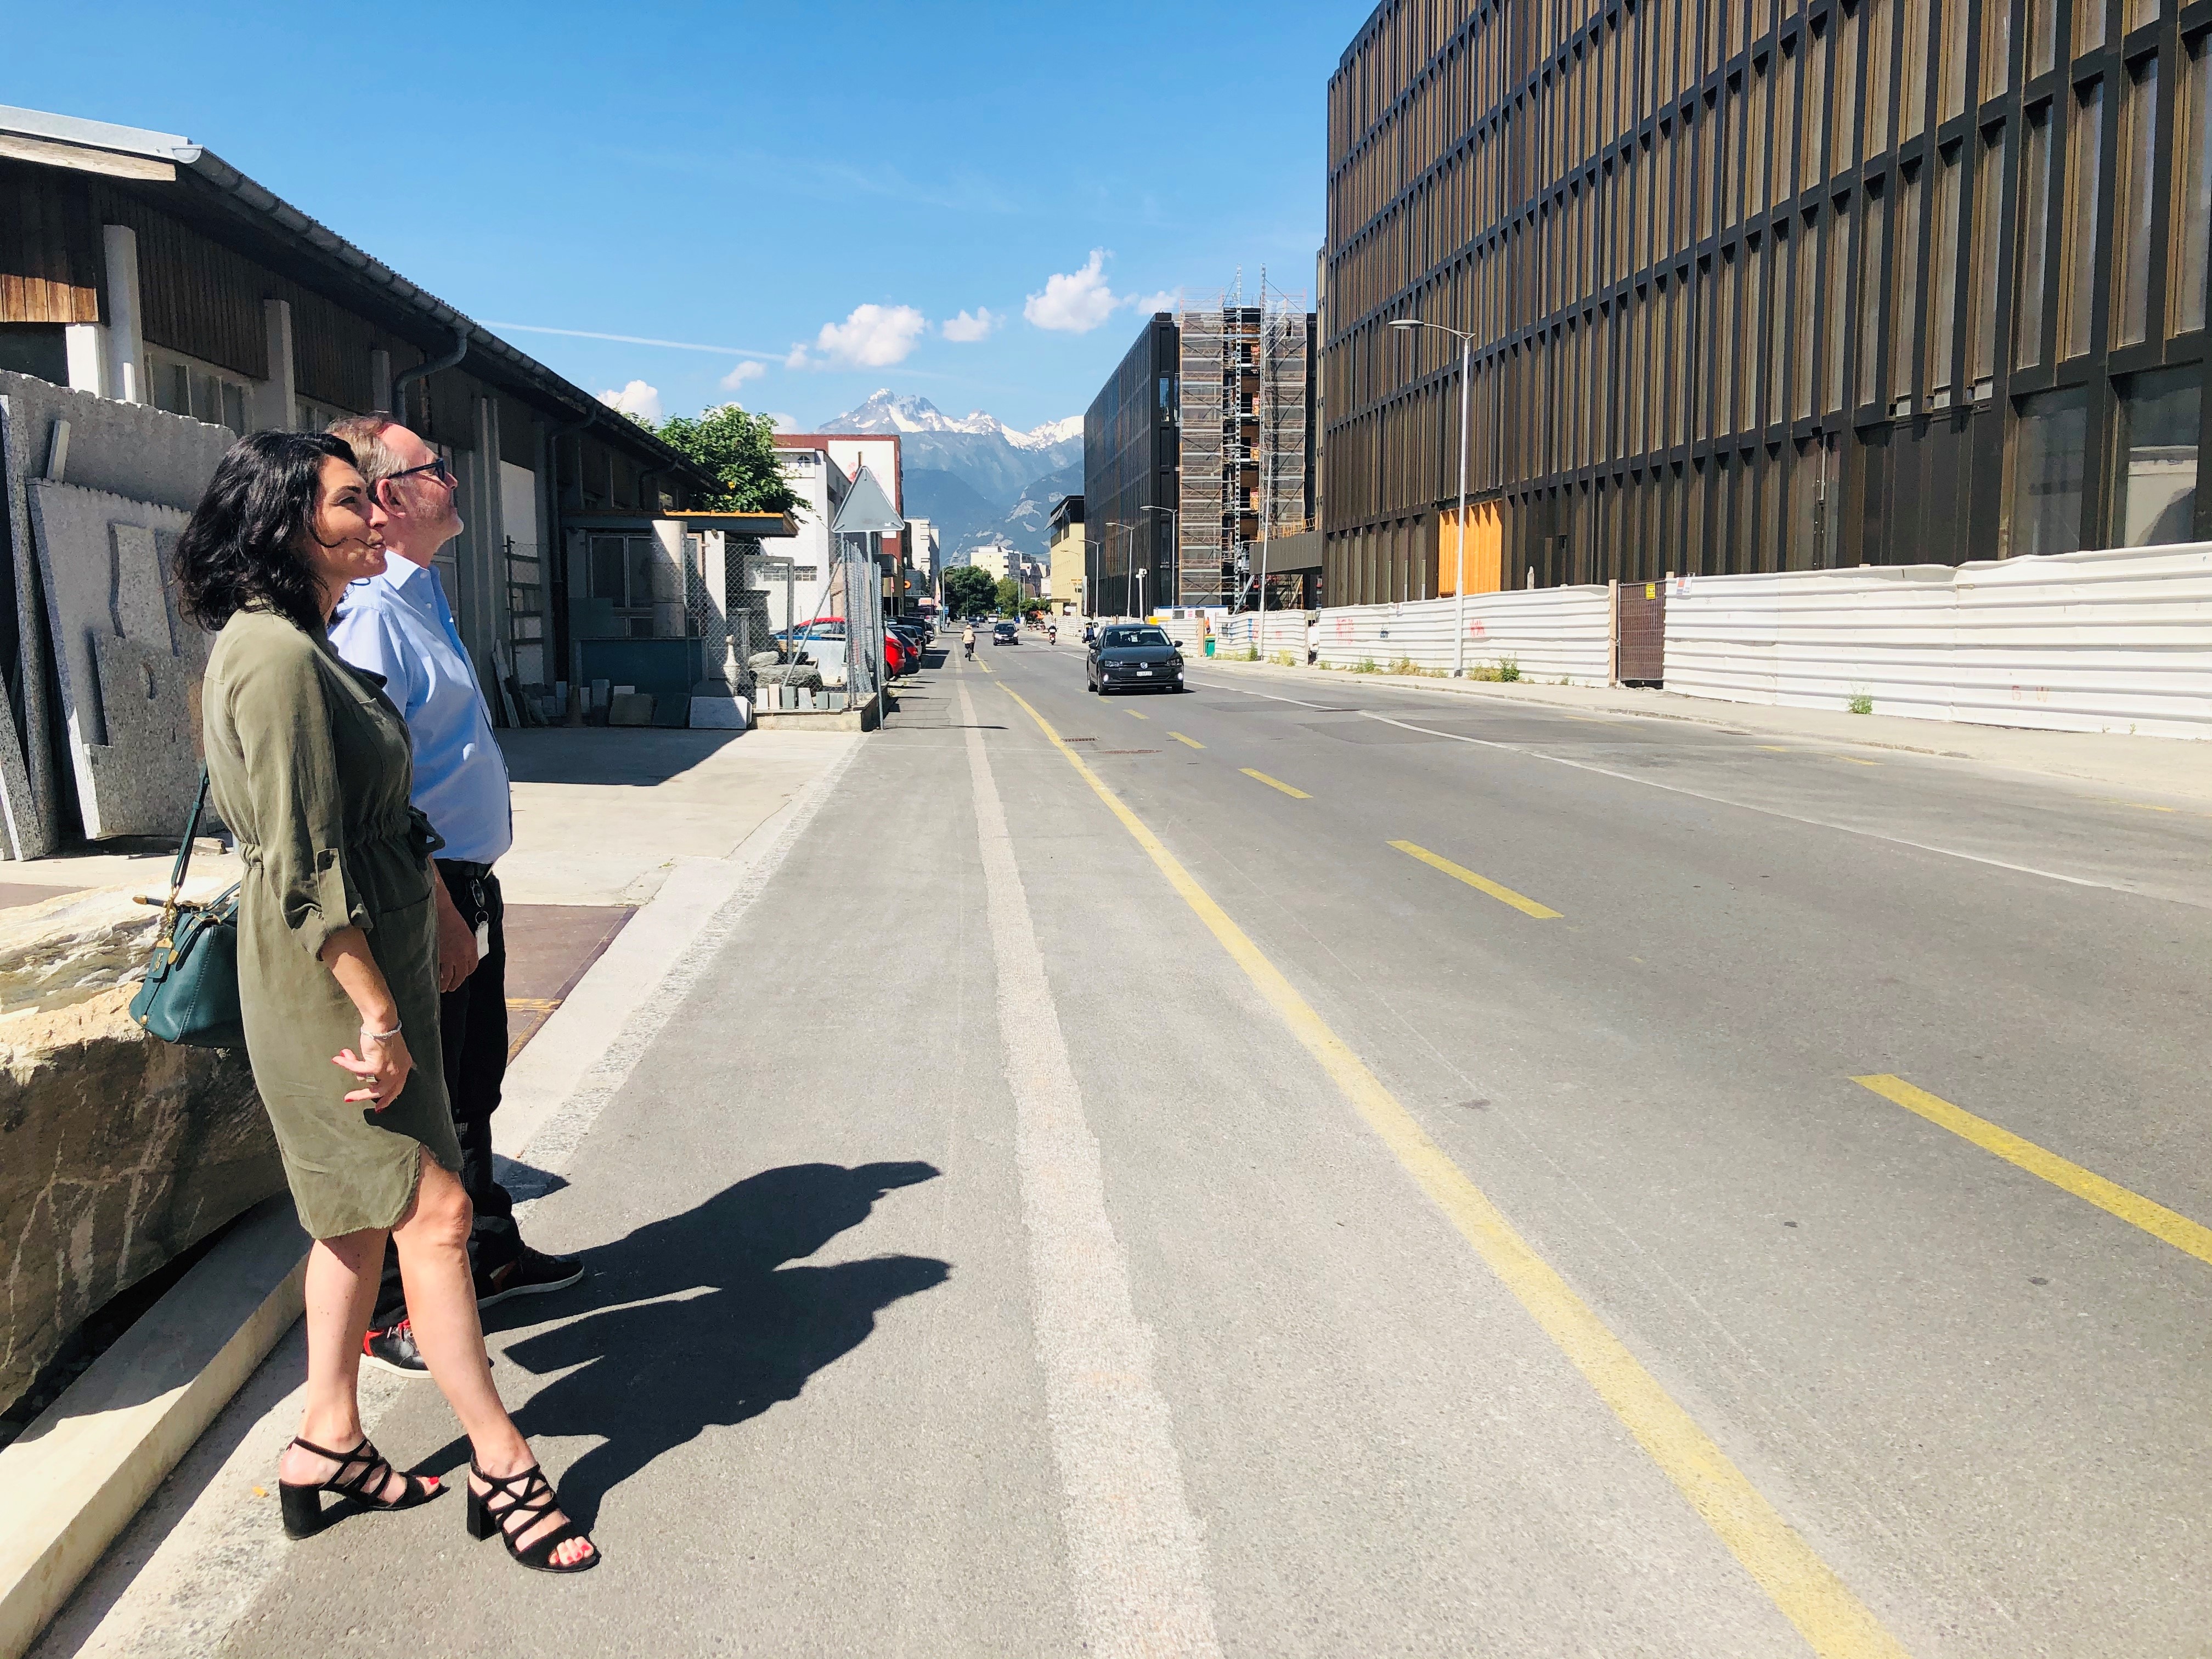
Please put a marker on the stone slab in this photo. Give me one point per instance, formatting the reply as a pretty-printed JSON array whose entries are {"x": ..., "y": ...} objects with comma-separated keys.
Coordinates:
[
  {"x": 116, "y": 643},
  {"x": 132, "y": 450},
  {"x": 719, "y": 713},
  {"x": 78, "y": 1475},
  {"x": 118, "y": 1152},
  {"x": 630, "y": 708}
]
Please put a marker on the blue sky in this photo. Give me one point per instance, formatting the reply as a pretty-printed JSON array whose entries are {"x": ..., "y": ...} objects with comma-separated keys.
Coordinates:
[{"x": 750, "y": 177}]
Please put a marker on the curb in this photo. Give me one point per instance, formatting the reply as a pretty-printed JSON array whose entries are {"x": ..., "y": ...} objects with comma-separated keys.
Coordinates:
[{"x": 78, "y": 1474}]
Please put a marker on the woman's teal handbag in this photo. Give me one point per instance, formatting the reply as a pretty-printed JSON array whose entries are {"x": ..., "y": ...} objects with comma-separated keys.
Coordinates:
[{"x": 190, "y": 993}]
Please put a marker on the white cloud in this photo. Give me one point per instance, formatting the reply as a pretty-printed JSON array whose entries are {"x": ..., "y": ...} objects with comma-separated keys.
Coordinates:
[
  {"x": 635, "y": 398},
  {"x": 743, "y": 371},
  {"x": 783, "y": 422},
  {"x": 797, "y": 358},
  {"x": 963, "y": 328},
  {"x": 1163, "y": 300},
  {"x": 873, "y": 337},
  {"x": 1073, "y": 302}
]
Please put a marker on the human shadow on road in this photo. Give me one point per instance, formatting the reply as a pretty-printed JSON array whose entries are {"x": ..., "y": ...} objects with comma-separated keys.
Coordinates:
[{"x": 701, "y": 1322}]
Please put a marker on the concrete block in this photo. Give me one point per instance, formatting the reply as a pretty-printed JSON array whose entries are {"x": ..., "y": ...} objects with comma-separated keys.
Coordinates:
[
  {"x": 672, "y": 711},
  {"x": 630, "y": 708},
  {"x": 125, "y": 689},
  {"x": 132, "y": 450},
  {"x": 719, "y": 713}
]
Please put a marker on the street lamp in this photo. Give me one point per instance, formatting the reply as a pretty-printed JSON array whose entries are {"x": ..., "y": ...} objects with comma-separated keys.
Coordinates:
[{"x": 1459, "y": 584}]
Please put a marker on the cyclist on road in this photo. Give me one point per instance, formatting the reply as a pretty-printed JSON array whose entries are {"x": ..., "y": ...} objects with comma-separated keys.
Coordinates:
[{"x": 968, "y": 640}]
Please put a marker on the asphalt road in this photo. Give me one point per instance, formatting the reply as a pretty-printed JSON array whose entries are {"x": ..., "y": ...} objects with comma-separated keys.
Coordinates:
[{"x": 1316, "y": 1168}]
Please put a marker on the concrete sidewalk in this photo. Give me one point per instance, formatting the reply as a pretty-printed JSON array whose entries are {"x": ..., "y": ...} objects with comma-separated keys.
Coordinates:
[
  {"x": 2180, "y": 771},
  {"x": 660, "y": 828}
]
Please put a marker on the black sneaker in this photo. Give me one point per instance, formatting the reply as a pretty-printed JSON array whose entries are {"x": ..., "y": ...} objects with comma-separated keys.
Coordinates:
[
  {"x": 532, "y": 1273},
  {"x": 393, "y": 1349}
]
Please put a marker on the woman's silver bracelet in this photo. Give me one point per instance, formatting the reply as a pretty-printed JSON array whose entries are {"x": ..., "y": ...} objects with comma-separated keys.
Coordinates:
[{"x": 381, "y": 1036}]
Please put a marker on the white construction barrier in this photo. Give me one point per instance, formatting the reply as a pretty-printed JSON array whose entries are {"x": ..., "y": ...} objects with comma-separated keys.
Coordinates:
[
  {"x": 2112, "y": 640},
  {"x": 1280, "y": 632},
  {"x": 1553, "y": 635}
]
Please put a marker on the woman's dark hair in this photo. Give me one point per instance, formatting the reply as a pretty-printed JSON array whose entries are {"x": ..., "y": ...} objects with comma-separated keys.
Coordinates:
[{"x": 240, "y": 552}]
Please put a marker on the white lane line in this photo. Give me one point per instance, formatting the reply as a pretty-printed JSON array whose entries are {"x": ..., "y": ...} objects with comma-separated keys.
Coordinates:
[
  {"x": 1137, "y": 1558},
  {"x": 1724, "y": 800}
]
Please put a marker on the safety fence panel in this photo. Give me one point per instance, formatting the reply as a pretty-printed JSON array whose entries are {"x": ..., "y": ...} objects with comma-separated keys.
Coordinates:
[
  {"x": 1281, "y": 633},
  {"x": 2110, "y": 641},
  {"x": 1553, "y": 635}
]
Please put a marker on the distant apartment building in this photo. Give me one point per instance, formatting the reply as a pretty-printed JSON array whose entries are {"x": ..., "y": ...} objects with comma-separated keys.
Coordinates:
[
  {"x": 846, "y": 453},
  {"x": 1763, "y": 287},
  {"x": 923, "y": 554},
  {"x": 1069, "y": 556},
  {"x": 1200, "y": 444},
  {"x": 788, "y": 581}
]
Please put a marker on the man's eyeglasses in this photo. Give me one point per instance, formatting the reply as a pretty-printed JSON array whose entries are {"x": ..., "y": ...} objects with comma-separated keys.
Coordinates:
[{"x": 436, "y": 469}]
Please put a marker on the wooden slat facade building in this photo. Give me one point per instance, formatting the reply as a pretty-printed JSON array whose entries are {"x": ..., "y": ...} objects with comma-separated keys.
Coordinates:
[{"x": 140, "y": 266}]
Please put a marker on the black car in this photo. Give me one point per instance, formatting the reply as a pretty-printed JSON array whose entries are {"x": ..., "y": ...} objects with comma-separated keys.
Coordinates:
[
  {"x": 1005, "y": 633},
  {"x": 1134, "y": 657}
]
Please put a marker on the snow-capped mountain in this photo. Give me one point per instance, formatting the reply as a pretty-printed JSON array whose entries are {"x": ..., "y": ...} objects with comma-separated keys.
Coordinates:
[
  {"x": 886, "y": 411},
  {"x": 990, "y": 458}
]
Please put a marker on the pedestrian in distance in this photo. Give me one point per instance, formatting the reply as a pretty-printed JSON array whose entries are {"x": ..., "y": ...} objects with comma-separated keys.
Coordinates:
[
  {"x": 310, "y": 764},
  {"x": 397, "y": 624}
]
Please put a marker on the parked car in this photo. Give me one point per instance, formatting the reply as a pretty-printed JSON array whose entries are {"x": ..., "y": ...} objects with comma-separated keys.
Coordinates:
[
  {"x": 1005, "y": 633},
  {"x": 1134, "y": 657}
]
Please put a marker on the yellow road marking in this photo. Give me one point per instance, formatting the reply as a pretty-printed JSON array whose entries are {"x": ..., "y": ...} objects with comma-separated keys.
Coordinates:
[
  {"x": 1192, "y": 742},
  {"x": 1853, "y": 760},
  {"x": 1134, "y": 715},
  {"x": 533, "y": 1005},
  {"x": 1803, "y": 1586},
  {"x": 1481, "y": 884},
  {"x": 1775, "y": 749},
  {"x": 985, "y": 666},
  {"x": 2134, "y": 1208},
  {"x": 1275, "y": 783},
  {"x": 2140, "y": 805}
]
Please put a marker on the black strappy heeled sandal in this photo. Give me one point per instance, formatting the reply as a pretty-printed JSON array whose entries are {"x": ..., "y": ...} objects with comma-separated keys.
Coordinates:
[
  {"x": 530, "y": 1497},
  {"x": 303, "y": 1504}
]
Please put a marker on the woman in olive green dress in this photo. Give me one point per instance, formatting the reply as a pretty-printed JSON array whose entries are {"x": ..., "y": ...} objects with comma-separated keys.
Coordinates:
[{"x": 311, "y": 765}]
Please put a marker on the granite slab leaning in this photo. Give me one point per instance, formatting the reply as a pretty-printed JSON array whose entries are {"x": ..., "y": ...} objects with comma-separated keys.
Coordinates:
[{"x": 132, "y": 450}]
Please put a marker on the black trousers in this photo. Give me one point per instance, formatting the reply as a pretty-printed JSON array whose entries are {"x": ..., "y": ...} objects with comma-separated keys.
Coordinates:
[{"x": 472, "y": 1030}]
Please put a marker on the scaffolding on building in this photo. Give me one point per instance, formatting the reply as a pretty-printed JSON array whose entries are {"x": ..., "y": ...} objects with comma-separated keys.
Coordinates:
[{"x": 1242, "y": 375}]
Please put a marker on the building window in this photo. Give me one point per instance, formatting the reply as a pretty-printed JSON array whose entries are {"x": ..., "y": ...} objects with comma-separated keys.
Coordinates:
[
  {"x": 2192, "y": 189},
  {"x": 1982, "y": 298},
  {"x": 1874, "y": 221},
  {"x": 185, "y": 385},
  {"x": 1836, "y": 321},
  {"x": 2049, "y": 444},
  {"x": 2132, "y": 245},
  {"x": 2154, "y": 457},
  {"x": 1951, "y": 58},
  {"x": 1997, "y": 47},
  {"x": 2034, "y": 240},
  {"x": 1904, "y": 294},
  {"x": 2042, "y": 36},
  {"x": 1912, "y": 93},
  {"x": 1943, "y": 273},
  {"x": 2088, "y": 25},
  {"x": 2077, "y": 275}
]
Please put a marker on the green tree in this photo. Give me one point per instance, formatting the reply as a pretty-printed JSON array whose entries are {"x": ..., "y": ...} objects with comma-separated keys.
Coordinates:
[
  {"x": 967, "y": 591},
  {"x": 1008, "y": 597},
  {"x": 738, "y": 450}
]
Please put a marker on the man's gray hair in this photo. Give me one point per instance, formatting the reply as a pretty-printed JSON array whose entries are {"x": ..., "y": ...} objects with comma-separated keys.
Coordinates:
[{"x": 364, "y": 435}]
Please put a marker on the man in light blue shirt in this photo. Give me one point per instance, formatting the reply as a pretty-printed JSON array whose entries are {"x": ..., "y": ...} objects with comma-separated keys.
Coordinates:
[{"x": 399, "y": 625}]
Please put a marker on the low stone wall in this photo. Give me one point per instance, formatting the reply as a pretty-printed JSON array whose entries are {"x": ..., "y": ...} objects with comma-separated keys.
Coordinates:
[{"x": 117, "y": 1151}]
